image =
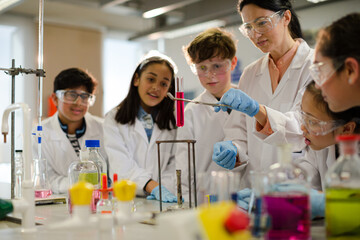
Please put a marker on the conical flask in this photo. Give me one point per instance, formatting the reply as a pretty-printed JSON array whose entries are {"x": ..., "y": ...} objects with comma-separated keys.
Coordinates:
[
  {"x": 342, "y": 191},
  {"x": 286, "y": 199},
  {"x": 41, "y": 184}
]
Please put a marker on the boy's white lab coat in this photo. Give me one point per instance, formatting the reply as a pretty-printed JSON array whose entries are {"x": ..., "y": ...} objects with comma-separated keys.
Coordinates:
[
  {"x": 205, "y": 126},
  {"x": 132, "y": 156},
  {"x": 255, "y": 81},
  {"x": 58, "y": 151},
  {"x": 316, "y": 164}
]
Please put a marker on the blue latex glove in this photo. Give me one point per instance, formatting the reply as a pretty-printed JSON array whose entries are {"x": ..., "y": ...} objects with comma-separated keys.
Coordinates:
[
  {"x": 317, "y": 203},
  {"x": 225, "y": 154},
  {"x": 166, "y": 195},
  {"x": 240, "y": 101},
  {"x": 244, "y": 198},
  {"x": 317, "y": 199}
]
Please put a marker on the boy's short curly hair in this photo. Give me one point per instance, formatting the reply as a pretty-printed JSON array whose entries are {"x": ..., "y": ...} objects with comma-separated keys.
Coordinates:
[{"x": 213, "y": 42}]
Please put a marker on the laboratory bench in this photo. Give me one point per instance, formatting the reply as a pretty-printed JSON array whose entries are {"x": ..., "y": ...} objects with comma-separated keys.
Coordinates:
[{"x": 55, "y": 213}]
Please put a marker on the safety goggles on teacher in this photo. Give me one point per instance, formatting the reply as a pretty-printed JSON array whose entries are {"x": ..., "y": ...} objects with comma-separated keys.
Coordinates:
[{"x": 261, "y": 25}]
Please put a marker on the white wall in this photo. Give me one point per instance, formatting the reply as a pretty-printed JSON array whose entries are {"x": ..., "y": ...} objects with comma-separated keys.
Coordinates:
[
  {"x": 310, "y": 19},
  {"x": 23, "y": 49}
]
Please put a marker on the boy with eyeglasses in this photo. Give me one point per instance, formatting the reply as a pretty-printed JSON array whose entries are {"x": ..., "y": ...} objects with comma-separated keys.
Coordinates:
[
  {"x": 211, "y": 56},
  {"x": 64, "y": 133}
]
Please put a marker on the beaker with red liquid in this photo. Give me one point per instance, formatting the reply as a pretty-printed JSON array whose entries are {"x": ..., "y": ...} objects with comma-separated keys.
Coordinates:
[{"x": 179, "y": 93}]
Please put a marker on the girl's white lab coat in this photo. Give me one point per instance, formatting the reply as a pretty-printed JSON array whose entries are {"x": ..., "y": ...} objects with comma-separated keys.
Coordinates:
[
  {"x": 205, "y": 126},
  {"x": 255, "y": 81},
  {"x": 58, "y": 151},
  {"x": 316, "y": 164},
  {"x": 132, "y": 156}
]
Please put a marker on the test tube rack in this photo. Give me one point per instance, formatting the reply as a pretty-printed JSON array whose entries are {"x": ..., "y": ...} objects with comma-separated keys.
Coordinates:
[{"x": 188, "y": 141}]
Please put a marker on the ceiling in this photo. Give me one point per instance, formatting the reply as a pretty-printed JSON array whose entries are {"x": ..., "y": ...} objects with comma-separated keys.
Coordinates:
[{"x": 125, "y": 16}]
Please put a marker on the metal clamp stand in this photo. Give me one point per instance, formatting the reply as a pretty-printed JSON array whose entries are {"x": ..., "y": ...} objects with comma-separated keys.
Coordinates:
[
  {"x": 14, "y": 72},
  {"x": 189, "y": 167}
]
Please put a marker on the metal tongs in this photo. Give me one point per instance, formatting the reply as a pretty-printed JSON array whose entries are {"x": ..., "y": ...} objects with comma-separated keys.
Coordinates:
[{"x": 196, "y": 102}]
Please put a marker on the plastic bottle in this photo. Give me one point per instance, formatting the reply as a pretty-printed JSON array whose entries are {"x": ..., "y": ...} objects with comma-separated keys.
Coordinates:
[
  {"x": 104, "y": 205},
  {"x": 286, "y": 199},
  {"x": 342, "y": 209},
  {"x": 87, "y": 171},
  {"x": 19, "y": 173}
]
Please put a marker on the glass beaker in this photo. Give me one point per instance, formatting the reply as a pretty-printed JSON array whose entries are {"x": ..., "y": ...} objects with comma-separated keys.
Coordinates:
[
  {"x": 179, "y": 93},
  {"x": 41, "y": 184},
  {"x": 234, "y": 185},
  {"x": 203, "y": 185},
  {"x": 287, "y": 200},
  {"x": 222, "y": 185},
  {"x": 259, "y": 217},
  {"x": 342, "y": 190}
]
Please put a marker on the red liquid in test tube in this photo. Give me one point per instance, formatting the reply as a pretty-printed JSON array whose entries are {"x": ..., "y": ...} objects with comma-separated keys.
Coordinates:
[{"x": 179, "y": 104}]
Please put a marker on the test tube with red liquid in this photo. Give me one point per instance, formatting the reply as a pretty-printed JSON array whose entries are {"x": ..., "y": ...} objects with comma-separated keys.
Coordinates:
[{"x": 179, "y": 88}]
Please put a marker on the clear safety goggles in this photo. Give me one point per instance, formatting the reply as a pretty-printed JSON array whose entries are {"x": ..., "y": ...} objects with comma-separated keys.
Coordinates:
[
  {"x": 321, "y": 72},
  {"x": 261, "y": 25},
  {"x": 216, "y": 68},
  {"x": 318, "y": 127},
  {"x": 71, "y": 96}
]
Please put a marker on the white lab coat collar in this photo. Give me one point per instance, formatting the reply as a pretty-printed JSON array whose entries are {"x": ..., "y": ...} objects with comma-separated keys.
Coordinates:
[
  {"x": 301, "y": 54},
  {"x": 298, "y": 61},
  {"x": 141, "y": 131},
  {"x": 207, "y": 97},
  {"x": 57, "y": 135}
]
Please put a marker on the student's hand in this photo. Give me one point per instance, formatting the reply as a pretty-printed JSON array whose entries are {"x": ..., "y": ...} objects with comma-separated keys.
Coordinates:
[
  {"x": 244, "y": 198},
  {"x": 240, "y": 101},
  {"x": 225, "y": 154},
  {"x": 317, "y": 199},
  {"x": 166, "y": 195}
]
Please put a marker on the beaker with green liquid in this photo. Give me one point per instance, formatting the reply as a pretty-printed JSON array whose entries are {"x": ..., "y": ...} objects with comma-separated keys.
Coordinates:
[{"x": 343, "y": 191}]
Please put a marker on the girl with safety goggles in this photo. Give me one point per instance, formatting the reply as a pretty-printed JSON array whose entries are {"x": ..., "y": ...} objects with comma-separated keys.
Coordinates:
[{"x": 319, "y": 124}]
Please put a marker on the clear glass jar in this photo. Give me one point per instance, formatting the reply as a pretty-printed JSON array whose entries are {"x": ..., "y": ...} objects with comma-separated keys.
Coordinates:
[
  {"x": 88, "y": 171},
  {"x": 286, "y": 199},
  {"x": 93, "y": 146},
  {"x": 342, "y": 190}
]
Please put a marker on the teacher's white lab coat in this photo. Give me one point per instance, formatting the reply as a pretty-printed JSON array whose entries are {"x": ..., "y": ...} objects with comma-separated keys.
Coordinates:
[
  {"x": 255, "y": 81},
  {"x": 316, "y": 164},
  {"x": 205, "y": 126},
  {"x": 133, "y": 157},
  {"x": 58, "y": 151}
]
